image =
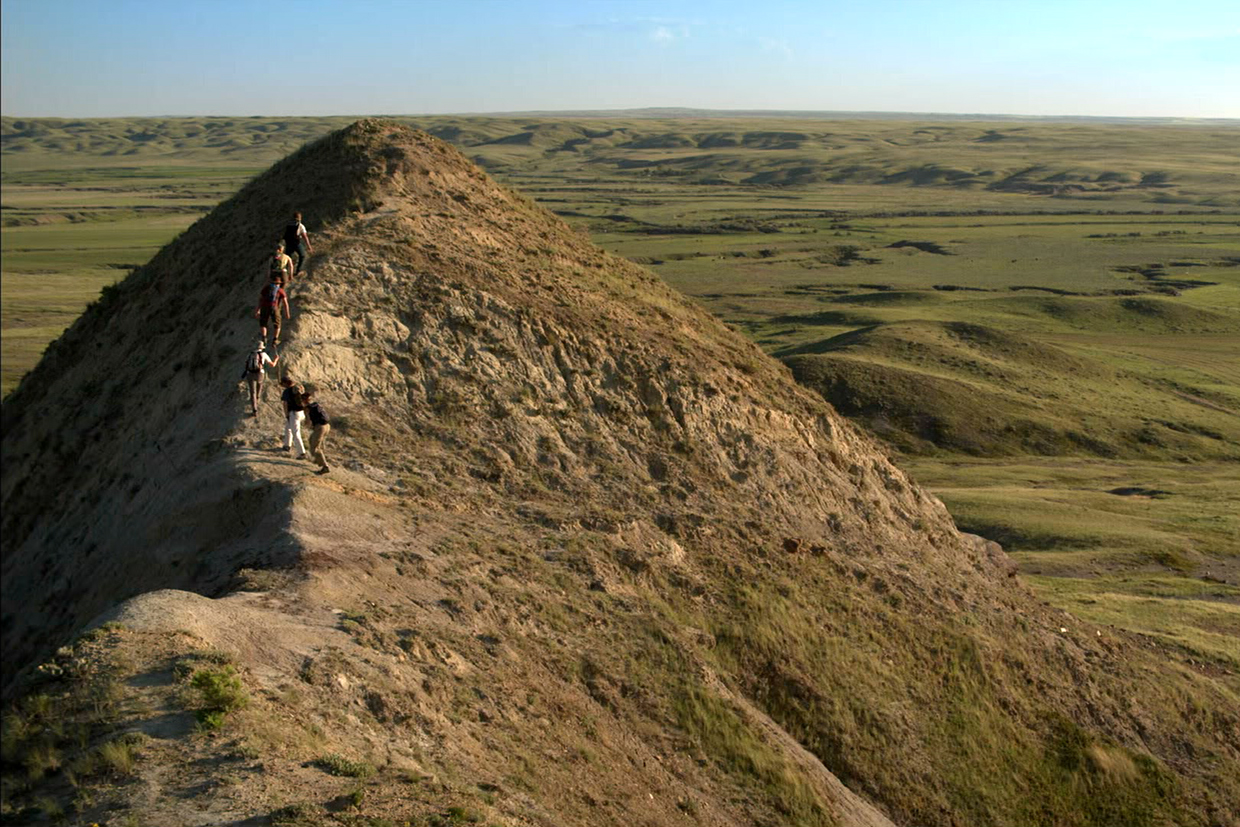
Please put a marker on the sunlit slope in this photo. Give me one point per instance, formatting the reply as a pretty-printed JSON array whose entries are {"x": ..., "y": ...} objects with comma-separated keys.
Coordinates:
[{"x": 955, "y": 386}]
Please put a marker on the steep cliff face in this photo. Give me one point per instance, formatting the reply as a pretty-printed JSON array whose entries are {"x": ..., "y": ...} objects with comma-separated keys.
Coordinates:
[{"x": 584, "y": 548}]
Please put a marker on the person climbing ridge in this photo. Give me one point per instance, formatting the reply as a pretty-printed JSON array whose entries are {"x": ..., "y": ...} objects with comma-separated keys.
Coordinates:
[
  {"x": 297, "y": 243},
  {"x": 321, "y": 427},
  {"x": 280, "y": 264},
  {"x": 255, "y": 370},
  {"x": 294, "y": 414},
  {"x": 268, "y": 311}
]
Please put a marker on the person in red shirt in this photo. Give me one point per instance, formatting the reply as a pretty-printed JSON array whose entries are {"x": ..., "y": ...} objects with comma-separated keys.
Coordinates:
[{"x": 270, "y": 300}]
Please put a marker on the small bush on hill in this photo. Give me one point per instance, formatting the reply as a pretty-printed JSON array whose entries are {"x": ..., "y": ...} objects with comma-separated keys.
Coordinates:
[
  {"x": 336, "y": 764},
  {"x": 221, "y": 692}
]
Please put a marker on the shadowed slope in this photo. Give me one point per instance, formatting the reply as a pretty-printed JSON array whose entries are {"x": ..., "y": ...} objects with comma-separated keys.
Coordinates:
[{"x": 139, "y": 422}]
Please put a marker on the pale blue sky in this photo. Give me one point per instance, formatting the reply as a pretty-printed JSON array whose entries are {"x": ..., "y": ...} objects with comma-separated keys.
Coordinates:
[{"x": 87, "y": 58}]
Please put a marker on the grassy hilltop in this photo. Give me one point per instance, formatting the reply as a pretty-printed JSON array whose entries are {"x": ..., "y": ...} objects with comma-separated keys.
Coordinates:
[{"x": 1040, "y": 318}]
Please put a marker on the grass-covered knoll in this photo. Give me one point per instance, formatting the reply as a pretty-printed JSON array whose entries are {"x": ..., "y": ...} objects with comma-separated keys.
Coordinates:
[
  {"x": 1042, "y": 769},
  {"x": 929, "y": 387}
]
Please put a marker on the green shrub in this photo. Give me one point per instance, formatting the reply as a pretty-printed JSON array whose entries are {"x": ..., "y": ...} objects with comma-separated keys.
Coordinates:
[
  {"x": 221, "y": 692},
  {"x": 336, "y": 764}
]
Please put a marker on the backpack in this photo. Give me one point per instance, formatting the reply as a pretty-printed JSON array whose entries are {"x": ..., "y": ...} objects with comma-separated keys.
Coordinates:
[
  {"x": 277, "y": 267},
  {"x": 271, "y": 295},
  {"x": 292, "y": 236},
  {"x": 254, "y": 364},
  {"x": 317, "y": 417}
]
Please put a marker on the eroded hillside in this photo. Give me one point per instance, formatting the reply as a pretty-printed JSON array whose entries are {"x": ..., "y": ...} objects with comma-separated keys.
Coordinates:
[{"x": 587, "y": 557}]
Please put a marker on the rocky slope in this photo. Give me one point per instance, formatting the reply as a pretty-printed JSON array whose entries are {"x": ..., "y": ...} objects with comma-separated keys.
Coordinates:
[{"x": 587, "y": 556}]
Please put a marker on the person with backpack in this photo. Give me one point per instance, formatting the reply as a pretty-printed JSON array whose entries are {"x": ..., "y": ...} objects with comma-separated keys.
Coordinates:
[
  {"x": 268, "y": 311},
  {"x": 255, "y": 370},
  {"x": 297, "y": 243},
  {"x": 280, "y": 265},
  {"x": 294, "y": 415},
  {"x": 320, "y": 427}
]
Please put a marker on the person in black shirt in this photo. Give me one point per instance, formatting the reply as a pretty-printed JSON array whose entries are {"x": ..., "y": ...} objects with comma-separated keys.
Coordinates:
[
  {"x": 320, "y": 425},
  {"x": 294, "y": 414},
  {"x": 297, "y": 243}
]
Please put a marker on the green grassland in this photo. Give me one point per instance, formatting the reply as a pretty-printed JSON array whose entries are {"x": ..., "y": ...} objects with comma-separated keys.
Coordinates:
[{"x": 1041, "y": 320}]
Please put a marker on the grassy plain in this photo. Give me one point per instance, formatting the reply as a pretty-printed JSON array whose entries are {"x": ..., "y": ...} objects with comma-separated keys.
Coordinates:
[{"x": 1041, "y": 319}]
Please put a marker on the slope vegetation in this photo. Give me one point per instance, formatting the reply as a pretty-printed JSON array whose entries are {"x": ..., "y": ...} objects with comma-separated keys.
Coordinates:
[
  {"x": 588, "y": 557},
  {"x": 926, "y": 386}
]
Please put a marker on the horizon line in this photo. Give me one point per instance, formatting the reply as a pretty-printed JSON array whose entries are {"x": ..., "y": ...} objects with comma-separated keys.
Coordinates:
[{"x": 669, "y": 112}]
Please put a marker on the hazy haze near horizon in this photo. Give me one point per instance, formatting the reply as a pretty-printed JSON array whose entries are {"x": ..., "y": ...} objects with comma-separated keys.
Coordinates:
[{"x": 76, "y": 58}]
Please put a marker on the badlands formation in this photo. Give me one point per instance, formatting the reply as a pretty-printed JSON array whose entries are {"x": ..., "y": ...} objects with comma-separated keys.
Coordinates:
[{"x": 586, "y": 557}]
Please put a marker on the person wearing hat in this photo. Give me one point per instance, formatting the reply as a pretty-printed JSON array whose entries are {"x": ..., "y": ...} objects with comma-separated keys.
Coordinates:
[
  {"x": 268, "y": 310},
  {"x": 255, "y": 369}
]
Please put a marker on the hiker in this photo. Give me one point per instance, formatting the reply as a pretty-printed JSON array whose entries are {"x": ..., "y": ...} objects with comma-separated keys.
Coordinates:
[
  {"x": 268, "y": 310},
  {"x": 280, "y": 265},
  {"x": 294, "y": 414},
  {"x": 321, "y": 427},
  {"x": 255, "y": 369},
  {"x": 297, "y": 242}
]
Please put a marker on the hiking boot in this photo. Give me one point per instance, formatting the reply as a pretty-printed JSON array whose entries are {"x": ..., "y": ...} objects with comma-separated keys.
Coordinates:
[
  {"x": 301, "y": 456},
  {"x": 322, "y": 470}
]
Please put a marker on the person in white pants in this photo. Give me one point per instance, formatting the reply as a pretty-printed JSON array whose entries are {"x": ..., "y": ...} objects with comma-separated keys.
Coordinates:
[{"x": 294, "y": 413}]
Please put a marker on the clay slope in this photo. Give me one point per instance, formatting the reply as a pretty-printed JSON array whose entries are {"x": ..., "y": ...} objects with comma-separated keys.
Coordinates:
[{"x": 587, "y": 556}]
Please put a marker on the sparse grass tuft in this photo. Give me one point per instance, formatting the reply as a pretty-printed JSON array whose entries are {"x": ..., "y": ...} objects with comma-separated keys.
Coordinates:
[
  {"x": 41, "y": 758},
  {"x": 300, "y": 814},
  {"x": 101, "y": 632},
  {"x": 722, "y": 733},
  {"x": 119, "y": 756},
  {"x": 186, "y": 666}
]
